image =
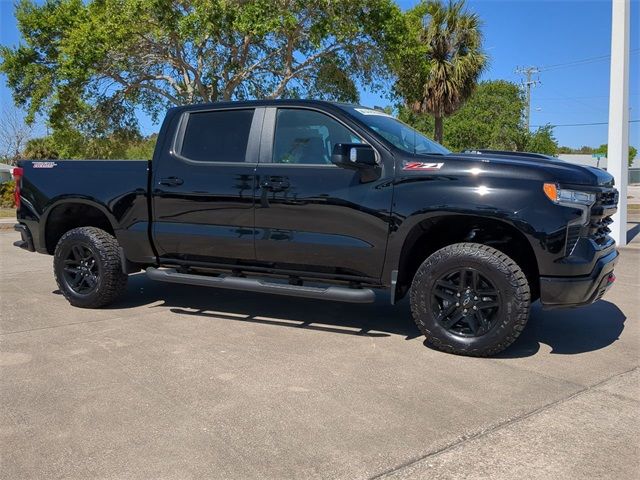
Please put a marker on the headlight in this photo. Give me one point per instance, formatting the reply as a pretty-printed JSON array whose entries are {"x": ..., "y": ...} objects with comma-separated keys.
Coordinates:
[{"x": 560, "y": 195}]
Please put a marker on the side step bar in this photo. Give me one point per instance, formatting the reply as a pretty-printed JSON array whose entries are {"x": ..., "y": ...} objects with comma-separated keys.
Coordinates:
[{"x": 340, "y": 294}]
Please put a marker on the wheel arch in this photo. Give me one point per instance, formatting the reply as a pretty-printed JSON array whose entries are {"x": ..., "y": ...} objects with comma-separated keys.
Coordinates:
[
  {"x": 69, "y": 213},
  {"x": 430, "y": 234}
]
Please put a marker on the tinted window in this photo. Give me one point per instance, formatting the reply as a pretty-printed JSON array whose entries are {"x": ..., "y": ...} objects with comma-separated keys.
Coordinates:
[
  {"x": 307, "y": 137},
  {"x": 396, "y": 132},
  {"x": 217, "y": 136}
]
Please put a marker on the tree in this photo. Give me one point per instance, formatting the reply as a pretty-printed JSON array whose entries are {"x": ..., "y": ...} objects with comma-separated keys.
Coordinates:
[
  {"x": 41, "y": 149},
  {"x": 441, "y": 61},
  {"x": 586, "y": 149},
  {"x": 15, "y": 132},
  {"x": 73, "y": 144},
  {"x": 143, "y": 149},
  {"x": 102, "y": 59},
  {"x": 492, "y": 118},
  {"x": 602, "y": 149},
  {"x": 542, "y": 141}
]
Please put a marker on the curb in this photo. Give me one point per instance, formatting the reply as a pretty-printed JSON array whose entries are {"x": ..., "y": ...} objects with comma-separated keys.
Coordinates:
[{"x": 8, "y": 224}]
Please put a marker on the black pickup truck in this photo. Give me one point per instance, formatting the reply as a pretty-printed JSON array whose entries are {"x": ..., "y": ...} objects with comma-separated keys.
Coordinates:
[{"x": 329, "y": 201}]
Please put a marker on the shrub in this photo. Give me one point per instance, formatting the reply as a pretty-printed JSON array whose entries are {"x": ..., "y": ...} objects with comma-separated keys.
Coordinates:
[{"x": 6, "y": 194}]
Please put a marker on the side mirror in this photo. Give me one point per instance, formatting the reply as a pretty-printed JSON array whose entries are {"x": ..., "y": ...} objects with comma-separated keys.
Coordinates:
[{"x": 353, "y": 155}]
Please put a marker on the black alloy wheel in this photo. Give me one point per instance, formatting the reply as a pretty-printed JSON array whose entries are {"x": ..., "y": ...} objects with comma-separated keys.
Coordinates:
[
  {"x": 81, "y": 271},
  {"x": 87, "y": 264},
  {"x": 470, "y": 299},
  {"x": 465, "y": 302}
]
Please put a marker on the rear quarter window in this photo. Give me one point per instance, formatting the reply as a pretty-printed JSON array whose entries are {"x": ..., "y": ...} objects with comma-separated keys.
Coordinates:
[{"x": 217, "y": 136}]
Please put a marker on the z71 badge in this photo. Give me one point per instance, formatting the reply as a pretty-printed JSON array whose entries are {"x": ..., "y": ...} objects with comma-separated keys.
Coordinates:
[
  {"x": 422, "y": 166},
  {"x": 44, "y": 164}
]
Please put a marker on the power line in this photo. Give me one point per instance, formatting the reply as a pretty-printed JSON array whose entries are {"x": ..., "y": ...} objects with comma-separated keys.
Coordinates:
[
  {"x": 575, "y": 101},
  {"x": 575, "y": 63},
  {"x": 529, "y": 82},
  {"x": 584, "y": 61},
  {"x": 581, "y": 124},
  {"x": 588, "y": 97}
]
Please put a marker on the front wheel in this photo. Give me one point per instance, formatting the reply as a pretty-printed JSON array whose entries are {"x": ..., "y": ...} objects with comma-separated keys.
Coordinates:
[
  {"x": 88, "y": 268},
  {"x": 470, "y": 299}
]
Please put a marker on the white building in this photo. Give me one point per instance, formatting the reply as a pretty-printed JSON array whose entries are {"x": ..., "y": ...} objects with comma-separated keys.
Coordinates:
[
  {"x": 588, "y": 159},
  {"x": 5, "y": 172}
]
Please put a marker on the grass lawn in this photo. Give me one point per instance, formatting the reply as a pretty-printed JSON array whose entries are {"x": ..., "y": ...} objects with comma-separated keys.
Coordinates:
[{"x": 7, "y": 213}]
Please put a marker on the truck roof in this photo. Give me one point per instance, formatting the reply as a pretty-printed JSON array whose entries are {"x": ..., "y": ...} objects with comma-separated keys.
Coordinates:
[{"x": 265, "y": 103}]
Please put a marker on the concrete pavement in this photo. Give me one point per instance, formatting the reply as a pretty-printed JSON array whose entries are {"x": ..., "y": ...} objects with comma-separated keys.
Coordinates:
[
  {"x": 7, "y": 223},
  {"x": 187, "y": 382}
]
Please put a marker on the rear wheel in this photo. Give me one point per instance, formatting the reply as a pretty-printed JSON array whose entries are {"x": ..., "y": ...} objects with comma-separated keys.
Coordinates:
[
  {"x": 88, "y": 268},
  {"x": 470, "y": 299}
]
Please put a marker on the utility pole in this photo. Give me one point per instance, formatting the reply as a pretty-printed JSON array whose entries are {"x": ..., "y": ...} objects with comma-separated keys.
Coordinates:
[
  {"x": 618, "y": 149},
  {"x": 528, "y": 72}
]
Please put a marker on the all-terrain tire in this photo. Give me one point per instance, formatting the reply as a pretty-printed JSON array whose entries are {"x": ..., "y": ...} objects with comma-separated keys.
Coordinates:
[
  {"x": 509, "y": 280},
  {"x": 108, "y": 283}
]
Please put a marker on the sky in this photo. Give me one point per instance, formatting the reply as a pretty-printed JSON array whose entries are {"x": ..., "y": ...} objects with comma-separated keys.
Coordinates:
[{"x": 569, "y": 41}]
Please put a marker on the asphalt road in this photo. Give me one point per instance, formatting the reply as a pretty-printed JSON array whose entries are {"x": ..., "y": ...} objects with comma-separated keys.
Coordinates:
[{"x": 187, "y": 382}]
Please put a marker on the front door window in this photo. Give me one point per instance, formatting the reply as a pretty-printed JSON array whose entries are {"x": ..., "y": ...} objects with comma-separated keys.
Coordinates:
[{"x": 307, "y": 137}]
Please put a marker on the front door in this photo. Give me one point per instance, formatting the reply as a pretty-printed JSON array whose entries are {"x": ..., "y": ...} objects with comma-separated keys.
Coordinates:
[
  {"x": 309, "y": 213},
  {"x": 203, "y": 187}
]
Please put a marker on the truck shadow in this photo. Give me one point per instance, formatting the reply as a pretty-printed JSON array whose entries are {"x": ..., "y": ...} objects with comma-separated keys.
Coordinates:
[
  {"x": 565, "y": 331},
  {"x": 632, "y": 231},
  {"x": 569, "y": 331},
  {"x": 379, "y": 319}
]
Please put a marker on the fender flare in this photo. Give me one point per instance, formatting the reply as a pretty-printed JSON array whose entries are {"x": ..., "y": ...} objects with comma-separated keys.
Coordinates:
[
  {"x": 394, "y": 261},
  {"x": 70, "y": 200}
]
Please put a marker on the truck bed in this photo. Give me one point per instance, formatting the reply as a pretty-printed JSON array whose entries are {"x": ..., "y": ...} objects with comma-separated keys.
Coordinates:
[{"x": 116, "y": 187}]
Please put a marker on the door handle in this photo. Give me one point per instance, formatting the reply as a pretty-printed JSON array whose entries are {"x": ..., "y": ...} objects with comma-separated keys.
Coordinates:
[
  {"x": 171, "y": 181},
  {"x": 275, "y": 185}
]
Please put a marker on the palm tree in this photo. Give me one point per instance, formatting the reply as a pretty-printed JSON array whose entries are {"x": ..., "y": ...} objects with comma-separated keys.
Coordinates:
[{"x": 452, "y": 60}]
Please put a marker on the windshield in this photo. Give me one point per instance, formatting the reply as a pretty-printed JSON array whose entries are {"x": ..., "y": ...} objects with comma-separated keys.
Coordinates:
[{"x": 399, "y": 134}]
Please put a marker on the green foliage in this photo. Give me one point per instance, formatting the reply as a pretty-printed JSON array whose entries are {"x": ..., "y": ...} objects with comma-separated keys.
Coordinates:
[
  {"x": 586, "y": 149},
  {"x": 564, "y": 149},
  {"x": 602, "y": 149},
  {"x": 72, "y": 144},
  {"x": 87, "y": 65},
  {"x": 6, "y": 194},
  {"x": 441, "y": 59},
  {"x": 542, "y": 141},
  {"x": 142, "y": 149},
  {"x": 41, "y": 149},
  {"x": 490, "y": 119}
]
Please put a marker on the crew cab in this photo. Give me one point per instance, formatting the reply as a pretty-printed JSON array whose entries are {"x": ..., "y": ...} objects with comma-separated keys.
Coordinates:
[{"x": 328, "y": 201}]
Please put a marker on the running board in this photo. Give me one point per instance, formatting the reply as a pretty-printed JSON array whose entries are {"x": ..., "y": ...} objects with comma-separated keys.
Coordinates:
[{"x": 339, "y": 294}]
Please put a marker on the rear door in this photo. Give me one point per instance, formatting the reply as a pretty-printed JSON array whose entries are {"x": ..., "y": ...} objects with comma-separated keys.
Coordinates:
[
  {"x": 310, "y": 214},
  {"x": 203, "y": 187}
]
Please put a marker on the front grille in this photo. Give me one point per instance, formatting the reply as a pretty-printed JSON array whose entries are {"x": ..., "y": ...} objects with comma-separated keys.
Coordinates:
[{"x": 601, "y": 211}]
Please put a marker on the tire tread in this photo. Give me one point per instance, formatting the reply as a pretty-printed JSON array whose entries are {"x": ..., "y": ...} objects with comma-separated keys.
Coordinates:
[
  {"x": 114, "y": 281},
  {"x": 514, "y": 275}
]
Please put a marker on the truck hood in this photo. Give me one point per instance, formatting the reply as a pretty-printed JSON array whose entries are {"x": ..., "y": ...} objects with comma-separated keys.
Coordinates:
[{"x": 552, "y": 169}]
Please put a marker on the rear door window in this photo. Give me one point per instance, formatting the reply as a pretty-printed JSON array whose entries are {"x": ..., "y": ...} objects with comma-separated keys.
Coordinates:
[{"x": 217, "y": 136}]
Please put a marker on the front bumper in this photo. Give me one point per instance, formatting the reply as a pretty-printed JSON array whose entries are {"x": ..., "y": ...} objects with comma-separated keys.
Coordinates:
[{"x": 563, "y": 292}]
